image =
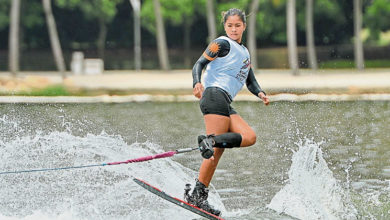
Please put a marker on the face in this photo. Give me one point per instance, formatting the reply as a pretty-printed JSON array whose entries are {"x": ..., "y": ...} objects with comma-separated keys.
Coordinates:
[{"x": 234, "y": 28}]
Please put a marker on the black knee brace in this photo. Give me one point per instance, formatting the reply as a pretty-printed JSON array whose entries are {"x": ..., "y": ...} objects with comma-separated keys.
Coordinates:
[{"x": 228, "y": 140}]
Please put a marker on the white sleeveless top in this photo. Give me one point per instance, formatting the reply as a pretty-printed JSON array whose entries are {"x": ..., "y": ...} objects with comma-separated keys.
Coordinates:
[{"x": 231, "y": 71}]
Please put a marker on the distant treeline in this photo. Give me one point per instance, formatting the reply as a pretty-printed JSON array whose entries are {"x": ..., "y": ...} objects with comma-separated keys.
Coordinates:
[
  {"x": 334, "y": 56},
  {"x": 108, "y": 25},
  {"x": 78, "y": 22}
]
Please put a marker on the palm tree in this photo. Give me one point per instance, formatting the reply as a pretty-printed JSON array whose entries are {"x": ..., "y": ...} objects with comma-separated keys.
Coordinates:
[
  {"x": 211, "y": 20},
  {"x": 54, "y": 40},
  {"x": 161, "y": 40},
  {"x": 310, "y": 46},
  {"x": 187, "y": 39},
  {"x": 101, "y": 40},
  {"x": 292, "y": 37},
  {"x": 252, "y": 33},
  {"x": 358, "y": 51},
  {"x": 13, "y": 39},
  {"x": 136, "y": 4}
]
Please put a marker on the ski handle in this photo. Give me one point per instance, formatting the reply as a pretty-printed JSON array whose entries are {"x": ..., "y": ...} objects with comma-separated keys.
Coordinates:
[{"x": 185, "y": 150}]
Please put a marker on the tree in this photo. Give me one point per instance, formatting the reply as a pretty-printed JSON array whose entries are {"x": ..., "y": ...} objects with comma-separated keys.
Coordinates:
[
  {"x": 310, "y": 46},
  {"x": 377, "y": 17},
  {"x": 174, "y": 12},
  {"x": 187, "y": 39},
  {"x": 358, "y": 44},
  {"x": 14, "y": 38},
  {"x": 136, "y": 4},
  {"x": 252, "y": 33},
  {"x": 211, "y": 20},
  {"x": 54, "y": 39},
  {"x": 292, "y": 37},
  {"x": 102, "y": 11},
  {"x": 33, "y": 28},
  {"x": 161, "y": 40},
  {"x": 181, "y": 12}
]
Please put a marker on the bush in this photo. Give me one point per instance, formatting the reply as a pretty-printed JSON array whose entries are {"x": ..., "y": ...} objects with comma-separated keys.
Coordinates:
[{"x": 57, "y": 90}]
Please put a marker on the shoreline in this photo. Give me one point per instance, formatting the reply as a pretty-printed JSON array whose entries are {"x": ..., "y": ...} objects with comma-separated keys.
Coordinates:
[
  {"x": 176, "y": 85},
  {"x": 187, "y": 98}
]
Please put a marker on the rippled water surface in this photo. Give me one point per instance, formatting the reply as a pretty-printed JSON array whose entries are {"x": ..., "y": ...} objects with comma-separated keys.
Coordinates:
[{"x": 312, "y": 160}]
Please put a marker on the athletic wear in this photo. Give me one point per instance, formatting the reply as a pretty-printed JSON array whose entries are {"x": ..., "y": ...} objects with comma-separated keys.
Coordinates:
[
  {"x": 252, "y": 84},
  {"x": 227, "y": 140},
  {"x": 229, "y": 72},
  {"x": 228, "y": 68},
  {"x": 217, "y": 49},
  {"x": 216, "y": 101}
]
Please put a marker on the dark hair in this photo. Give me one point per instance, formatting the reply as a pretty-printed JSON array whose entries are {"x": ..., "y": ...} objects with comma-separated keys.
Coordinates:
[{"x": 231, "y": 12}]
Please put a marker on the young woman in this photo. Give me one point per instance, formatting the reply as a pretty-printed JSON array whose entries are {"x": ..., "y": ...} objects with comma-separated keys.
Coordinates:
[{"x": 228, "y": 69}]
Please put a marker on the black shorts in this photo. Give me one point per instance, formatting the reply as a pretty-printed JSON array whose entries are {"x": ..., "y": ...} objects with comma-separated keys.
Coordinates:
[{"x": 216, "y": 101}]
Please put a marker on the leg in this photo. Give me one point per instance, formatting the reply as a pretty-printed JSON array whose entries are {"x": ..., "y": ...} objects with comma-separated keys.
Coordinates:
[
  {"x": 239, "y": 125},
  {"x": 215, "y": 124}
]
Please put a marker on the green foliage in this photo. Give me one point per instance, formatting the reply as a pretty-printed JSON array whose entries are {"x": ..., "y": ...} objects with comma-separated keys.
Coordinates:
[
  {"x": 340, "y": 64},
  {"x": 271, "y": 21},
  {"x": 32, "y": 24},
  {"x": 32, "y": 14},
  {"x": 173, "y": 12},
  {"x": 330, "y": 22},
  {"x": 93, "y": 9},
  {"x": 56, "y": 90},
  {"x": 226, "y": 5},
  {"x": 4, "y": 13},
  {"x": 176, "y": 11},
  {"x": 333, "y": 20},
  {"x": 147, "y": 16},
  {"x": 337, "y": 64},
  {"x": 377, "y": 17}
]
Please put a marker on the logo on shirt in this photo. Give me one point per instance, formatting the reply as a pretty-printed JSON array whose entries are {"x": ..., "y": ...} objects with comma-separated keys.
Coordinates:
[
  {"x": 247, "y": 63},
  {"x": 242, "y": 74}
]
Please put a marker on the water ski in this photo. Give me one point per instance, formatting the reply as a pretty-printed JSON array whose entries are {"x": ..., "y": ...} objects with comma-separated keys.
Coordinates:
[{"x": 175, "y": 200}]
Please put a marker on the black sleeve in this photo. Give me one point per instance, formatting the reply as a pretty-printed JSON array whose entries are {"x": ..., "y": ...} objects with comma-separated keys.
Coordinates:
[
  {"x": 197, "y": 70},
  {"x": 252, "y": 85},
  {"x": 217, "y": 48}
]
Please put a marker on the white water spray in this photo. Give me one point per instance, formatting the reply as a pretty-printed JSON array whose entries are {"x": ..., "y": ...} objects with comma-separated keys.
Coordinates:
[
  {"x": 91, "y": 193},
  {"x": 311, "y": 191}
]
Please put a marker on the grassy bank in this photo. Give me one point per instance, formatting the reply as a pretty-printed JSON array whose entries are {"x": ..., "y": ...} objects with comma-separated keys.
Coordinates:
[
  {"x": 342, "y": 64},
  {"x": 54, "y": 90},
  {"x": 59, "y": 90}
]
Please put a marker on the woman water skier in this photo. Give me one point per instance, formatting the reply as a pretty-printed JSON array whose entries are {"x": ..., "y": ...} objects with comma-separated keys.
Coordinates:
[{"x": 228, "y": 69}]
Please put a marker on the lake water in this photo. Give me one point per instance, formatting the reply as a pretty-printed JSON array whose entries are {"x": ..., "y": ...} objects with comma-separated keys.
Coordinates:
[{"x": 312, "y": 160}]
